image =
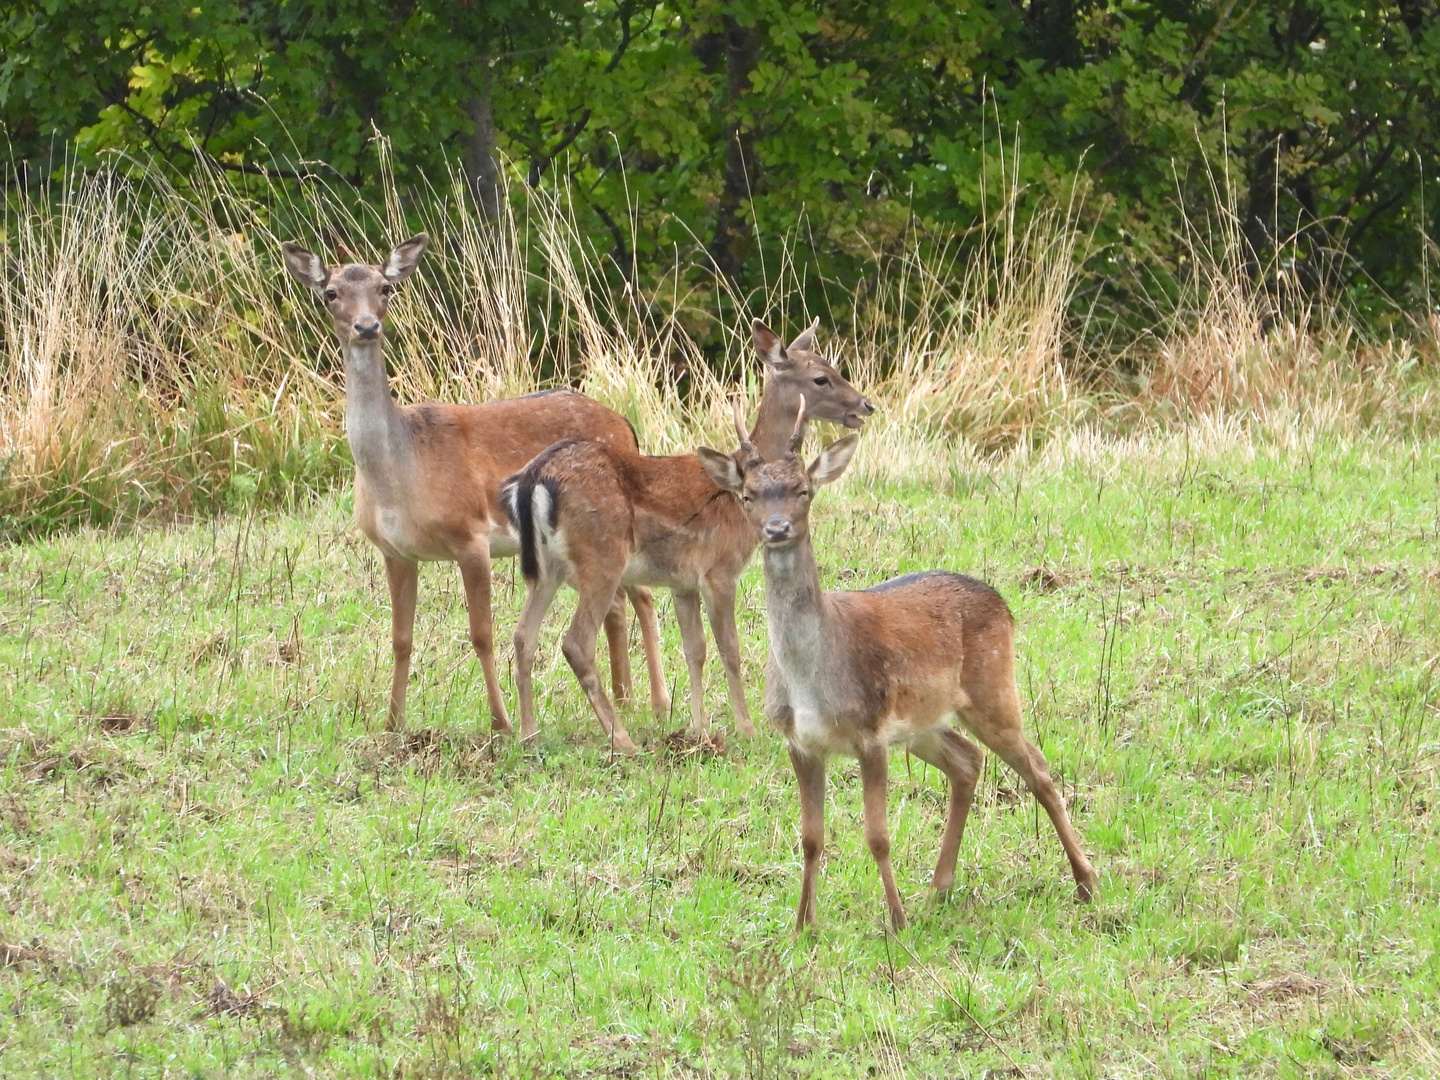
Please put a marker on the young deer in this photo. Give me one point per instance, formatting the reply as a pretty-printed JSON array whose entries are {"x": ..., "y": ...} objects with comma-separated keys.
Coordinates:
[
  {"x": 600, "y": 517},
  {"x": 427, "y": 477},
  {"x": 856, "y": 673}
]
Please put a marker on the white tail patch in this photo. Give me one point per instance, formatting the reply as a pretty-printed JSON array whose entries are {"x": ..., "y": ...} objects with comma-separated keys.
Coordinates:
[
  {"x": 540, "y": 507},
  {"x": 510, "y": 501},
  {"x": 549, "y": 543}
]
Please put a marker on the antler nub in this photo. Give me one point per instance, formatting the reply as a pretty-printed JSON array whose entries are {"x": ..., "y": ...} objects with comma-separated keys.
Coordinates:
[
  {"x": 798, "y": 435},
  {"x": 750, "y": 457},
  {"x": 738, "y": 412}
]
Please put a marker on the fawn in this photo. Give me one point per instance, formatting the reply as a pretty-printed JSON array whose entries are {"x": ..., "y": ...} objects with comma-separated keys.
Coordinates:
[
  {"x": 856, "y": 673},
  {"x": 601, "y": 517}
]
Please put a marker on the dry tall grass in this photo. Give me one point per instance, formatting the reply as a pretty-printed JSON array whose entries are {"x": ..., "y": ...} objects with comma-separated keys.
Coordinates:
[{"x": 154, "y": 358}]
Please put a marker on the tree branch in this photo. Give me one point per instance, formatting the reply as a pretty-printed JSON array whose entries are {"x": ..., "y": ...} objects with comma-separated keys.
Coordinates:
[{"x": 538, "y": 165}]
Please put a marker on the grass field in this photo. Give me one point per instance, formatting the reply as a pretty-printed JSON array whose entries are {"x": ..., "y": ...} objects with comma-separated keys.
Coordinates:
[{"x": 214, "y": 863}]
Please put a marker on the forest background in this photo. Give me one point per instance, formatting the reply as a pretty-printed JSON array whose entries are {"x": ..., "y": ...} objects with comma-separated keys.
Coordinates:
[{"x": 727, "y": 126}]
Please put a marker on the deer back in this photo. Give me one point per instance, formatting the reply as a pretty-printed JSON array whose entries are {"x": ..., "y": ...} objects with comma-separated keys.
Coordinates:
[
  {"x": 885, "y": 664},
  {"x": 667, "y": 517},
  {"x": 464, "y": 452}
]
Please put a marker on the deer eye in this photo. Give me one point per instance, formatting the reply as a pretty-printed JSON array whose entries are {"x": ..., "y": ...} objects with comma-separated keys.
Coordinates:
[
  {"x": 822, "y": 380},
  {"x": 331, "y": 295},
  {"x": 386, "y": 290}
]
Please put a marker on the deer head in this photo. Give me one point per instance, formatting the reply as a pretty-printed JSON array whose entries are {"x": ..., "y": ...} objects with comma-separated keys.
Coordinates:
[
  {"x": 776, "y": 494},
  {"x": 800, "y": 369},
  {"x": 356, "y": 294}
]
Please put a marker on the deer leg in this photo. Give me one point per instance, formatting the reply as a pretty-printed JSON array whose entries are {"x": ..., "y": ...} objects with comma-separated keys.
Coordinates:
[
  {"x": 875, "y": 783},
  {"x": 1027, "y": 760},
  {"x": 999, "y": 728},
  {"x": 617, "y": 639},
  {"x": 720, "y": 605},
  {"x": 810, "y": 772},
  {"x": 475, "y": 572},
  {"x": 538, "y": 597},
  {"x": 960, "y": 760},
  {"x": 643, "y": 602},
  {"x": 403, "y": 577},
  {"x": 692, "y": 643},
  {"x": 579, "y": 649}
]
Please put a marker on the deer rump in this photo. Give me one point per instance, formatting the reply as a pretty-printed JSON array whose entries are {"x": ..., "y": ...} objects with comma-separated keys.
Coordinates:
[
  {"x": 572, "y": 511},
  {"x": 530, "y": 494},
  {"x": 581, "y": 510}
]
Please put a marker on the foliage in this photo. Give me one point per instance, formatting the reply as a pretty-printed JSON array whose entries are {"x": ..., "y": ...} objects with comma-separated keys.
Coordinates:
[{"x": 728, "y": 125}]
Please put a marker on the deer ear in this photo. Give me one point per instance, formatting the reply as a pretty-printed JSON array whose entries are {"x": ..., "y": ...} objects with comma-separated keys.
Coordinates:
[
  {"x": 304, "y": 265},
  {"x": 769, "y": 346},
  {"x": 721, "y": 468},
  {"x": 832, "y": 460},
  {"x": 806, "y": 341},
  {"x": 401, "y": 262}
]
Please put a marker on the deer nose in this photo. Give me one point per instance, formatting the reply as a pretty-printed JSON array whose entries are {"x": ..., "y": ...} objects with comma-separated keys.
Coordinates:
[
  {"x": 368, "y": 327},
  {"x": 868, "y": 406},
  {"x": 776, "y": 528}
]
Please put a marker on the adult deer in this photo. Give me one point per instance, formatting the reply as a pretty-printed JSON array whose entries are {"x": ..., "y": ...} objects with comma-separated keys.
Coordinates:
[
  {"x": 856, "y": 673},
  {"x": 427, "y": 477},
  {"x": 600, "y": 517}
]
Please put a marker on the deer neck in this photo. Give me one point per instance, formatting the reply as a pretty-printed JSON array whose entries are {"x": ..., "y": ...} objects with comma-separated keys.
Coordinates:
[
  {"x": 795, "y": 608},
  {"x": 379, "y": 436},
  {"x": 775, "y": 422}
]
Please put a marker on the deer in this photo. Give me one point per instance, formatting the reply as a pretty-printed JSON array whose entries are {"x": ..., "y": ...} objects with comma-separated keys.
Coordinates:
[
  {"x": 427, "y": 476},
  {"x": 856, "y": 673},
  {"x": 600, "y": 517}
]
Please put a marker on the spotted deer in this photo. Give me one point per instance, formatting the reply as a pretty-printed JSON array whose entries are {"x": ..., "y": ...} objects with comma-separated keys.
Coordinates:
[
  {"x": 427, "y": 477},
  {"x": 856, "y": 673},
  {"x": 599, "y": 517}
]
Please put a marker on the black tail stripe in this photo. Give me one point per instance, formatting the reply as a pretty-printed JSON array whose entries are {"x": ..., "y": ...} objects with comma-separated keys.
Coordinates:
[
  {"x": 521, "y": 511},
  {"x": 525, "y": 511}
]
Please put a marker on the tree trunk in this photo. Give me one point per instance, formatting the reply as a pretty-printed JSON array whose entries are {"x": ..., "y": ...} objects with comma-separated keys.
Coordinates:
[
  {"x": 480, "y": 166},
  {"x": 734, "y": 236}
]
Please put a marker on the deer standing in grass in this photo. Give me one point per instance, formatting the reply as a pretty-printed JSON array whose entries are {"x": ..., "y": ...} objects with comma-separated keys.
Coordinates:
[
  {"x": 856, "y": 673},
  {"x": 427, "y": 477},
  {"x": 602, "y": 517}
]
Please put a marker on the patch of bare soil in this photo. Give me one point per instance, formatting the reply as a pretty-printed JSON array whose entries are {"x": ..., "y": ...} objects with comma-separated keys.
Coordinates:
[
  {"x": 117, "y": 722},
  {"x": 1350, "y": 1052},
  {"x": 221, "y": 1000},
  {"x": 1287, "y": 987},
  {"x": 1045, "y": 579},
  {"x": 16, "y": 955},
  {"x": 429, "y": 750},
  {"x": 685, "y": 745}
]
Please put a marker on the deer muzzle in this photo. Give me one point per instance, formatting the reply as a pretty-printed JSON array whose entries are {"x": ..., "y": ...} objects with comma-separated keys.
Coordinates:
[
  {"x": 856, "y": 417},
  {"x": 776, "y": 529}
]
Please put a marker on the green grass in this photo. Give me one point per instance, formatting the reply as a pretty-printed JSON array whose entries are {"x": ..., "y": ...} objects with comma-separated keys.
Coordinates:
[{"x": 1227, "y": 657}]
